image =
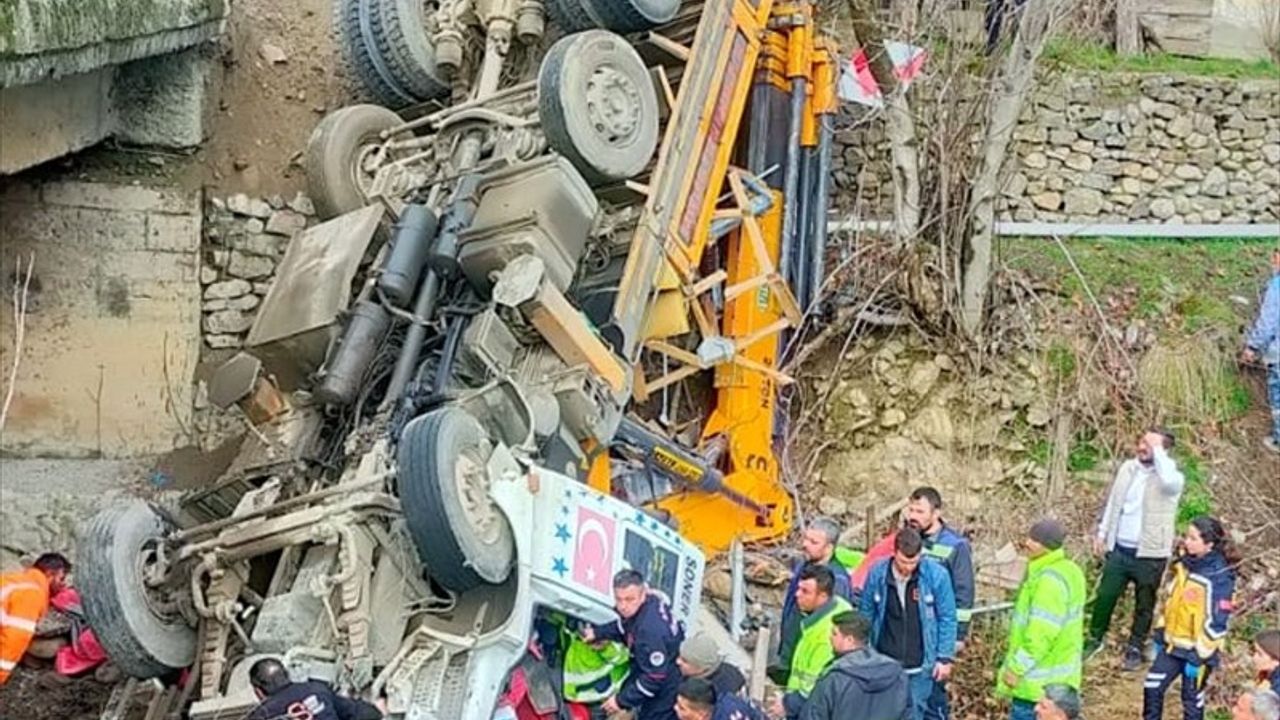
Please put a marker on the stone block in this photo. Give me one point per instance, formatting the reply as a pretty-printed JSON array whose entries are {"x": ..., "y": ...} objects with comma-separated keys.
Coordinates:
[
  {"x": 250, "y": 267},
  {"x": 1163, "y": 208},
  {"x": 286, "y": 222},
  {"x": 1082, "y": 201},
  {"x": 223, "y": 342},
  {"x": 173, "y": 233},
  {"x": 227, "y": 289},
  {"x": 242, "y": 204},
  {"x": 227, "y": 322},
  {"x": 164, "y": 100}
]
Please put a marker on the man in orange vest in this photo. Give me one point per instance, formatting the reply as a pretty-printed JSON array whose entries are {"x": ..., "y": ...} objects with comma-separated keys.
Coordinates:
[{"x": 24, "y": 598}]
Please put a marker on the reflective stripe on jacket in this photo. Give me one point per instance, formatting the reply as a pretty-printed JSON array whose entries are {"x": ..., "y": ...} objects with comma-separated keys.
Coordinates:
[
  {"x": 1197, "y": 608},
  {"x": 1046, "y": 636},
  {"x": 24, "y": 598},
  {"x": 952, "y": 550},
  {"x": 814, "y": 650},
  {"x": 593, "y": 674}
]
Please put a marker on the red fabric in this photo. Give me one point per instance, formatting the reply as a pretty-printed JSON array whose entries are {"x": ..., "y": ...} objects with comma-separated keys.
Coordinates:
[
  {"x": 880, "y": 550},
  {"x": 578, "y": 711},
  {"x": 82, "y": 655},
  {"x": 66, "y": 600}
]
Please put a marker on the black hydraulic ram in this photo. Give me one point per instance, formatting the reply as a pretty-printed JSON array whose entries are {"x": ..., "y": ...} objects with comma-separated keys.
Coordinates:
[
  {"x": 369, "y": 320},
  {"x": 677, "y": 464}
]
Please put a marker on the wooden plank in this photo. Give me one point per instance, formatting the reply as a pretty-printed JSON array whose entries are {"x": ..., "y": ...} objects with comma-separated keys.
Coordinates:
[
  {"x": 675, "y": 353},
  {"x": 709, "y": 282},
  {"x": 746, "y": 286},
  {"x": 673, "y": 377},
  {"x": 639, "y": 385},
  {"x": 671, "y": 47}
]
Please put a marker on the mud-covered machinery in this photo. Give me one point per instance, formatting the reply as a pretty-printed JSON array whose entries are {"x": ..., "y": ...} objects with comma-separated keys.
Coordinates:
[{"x": 462, "y": 386}]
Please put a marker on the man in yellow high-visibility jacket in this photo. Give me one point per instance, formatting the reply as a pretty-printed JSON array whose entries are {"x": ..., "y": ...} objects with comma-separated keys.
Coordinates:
[
  {"x": 1046, "y": 638},
  {"x": 24, "y": 599}
]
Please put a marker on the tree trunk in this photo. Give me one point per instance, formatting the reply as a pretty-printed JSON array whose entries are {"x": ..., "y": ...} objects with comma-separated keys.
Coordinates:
[
  {"x": 1014, "y": 81},
  {"x": 900, "y": 128},
  {"x": 1128, "y": 29}
]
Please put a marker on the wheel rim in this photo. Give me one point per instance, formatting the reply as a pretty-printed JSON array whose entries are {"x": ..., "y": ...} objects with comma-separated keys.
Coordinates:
[
  {"x": 613, "y": 105},
  {"x": 155, "y": 588},
  {"x": 365, "y": 168},
  {"x": 481, "y": 514}
]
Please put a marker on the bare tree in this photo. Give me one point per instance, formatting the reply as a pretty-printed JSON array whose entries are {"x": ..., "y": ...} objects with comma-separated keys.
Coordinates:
[
  {"x": 1015, "y": 81},
  {"x": 949, "y": 141}
]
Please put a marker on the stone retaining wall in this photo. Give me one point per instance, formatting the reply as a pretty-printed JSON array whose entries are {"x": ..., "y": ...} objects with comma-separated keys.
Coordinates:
[{"x": 1118, "y": 148}]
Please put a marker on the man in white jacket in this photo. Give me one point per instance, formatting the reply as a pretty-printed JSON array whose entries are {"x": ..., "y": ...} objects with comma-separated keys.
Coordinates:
[{"x": 1136, "y": 536}]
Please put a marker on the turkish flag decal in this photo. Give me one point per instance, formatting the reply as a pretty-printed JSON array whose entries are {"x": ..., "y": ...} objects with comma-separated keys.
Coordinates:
[{"x": 593, "y": 556}]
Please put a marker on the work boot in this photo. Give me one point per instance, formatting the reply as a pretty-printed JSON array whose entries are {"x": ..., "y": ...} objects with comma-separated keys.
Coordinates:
[
  {"x": 1091, "y": 647},
  {"x": 1132, "y": 658}
]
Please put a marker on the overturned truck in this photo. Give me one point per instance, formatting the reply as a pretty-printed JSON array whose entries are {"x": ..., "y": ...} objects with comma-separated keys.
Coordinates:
[{"x": 531, "y": 346}]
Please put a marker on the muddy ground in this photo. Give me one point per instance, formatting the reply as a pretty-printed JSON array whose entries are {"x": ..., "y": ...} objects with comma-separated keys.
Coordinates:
[{"x": 35, "y": 695}]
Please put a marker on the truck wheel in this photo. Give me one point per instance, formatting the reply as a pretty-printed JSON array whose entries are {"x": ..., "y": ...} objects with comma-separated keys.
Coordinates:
[
  {"x": 617, "y": 15},
  {"x": 626, "y": 16},
  {"x": 462, "y": 536},
  {"x": 336, "y": 152},
  {"x": 598, "y": 106},
  {"x": 142, "y": 633},
  {"x": 388, "y": 49},
  {"x": 572, "y": 16}
]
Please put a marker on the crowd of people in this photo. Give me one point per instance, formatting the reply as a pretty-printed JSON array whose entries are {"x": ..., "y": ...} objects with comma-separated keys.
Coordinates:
[{"x": 876, "y": 635}]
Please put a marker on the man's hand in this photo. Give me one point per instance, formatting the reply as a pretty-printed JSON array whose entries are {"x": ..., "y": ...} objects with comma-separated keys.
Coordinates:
[
  {"x": 610, "y": 706},
  {"x": 776, "y": 709},
  {"x": 1249, "y": 356},
  {"x": 589, "y": 634},
  {"x": 942, "y": 672},
  {"x": 1099, "y": 547},
  {"x": 1009, "y": 679},
  {"x": 1154, "y": 440}
]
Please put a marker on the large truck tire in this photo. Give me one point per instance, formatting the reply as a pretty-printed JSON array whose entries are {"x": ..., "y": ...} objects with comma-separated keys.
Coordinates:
[
  {"x": 109, "y": 574},
  {"x": 626, "y": 16},
  {"x": 572, "y": 16},
  {"x": 621, "y": 16},
  {"x": 388, "y": 51},
  {"x": 332, "y": 159},
  {"x": 598, "y": 106},
  {"x": 461, "y": 535}
]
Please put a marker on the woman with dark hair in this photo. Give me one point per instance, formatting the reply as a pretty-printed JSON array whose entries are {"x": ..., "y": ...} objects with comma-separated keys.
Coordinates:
[
  {"x": 1266, "y": 659},
  {"x": 1190, "y": 631}
]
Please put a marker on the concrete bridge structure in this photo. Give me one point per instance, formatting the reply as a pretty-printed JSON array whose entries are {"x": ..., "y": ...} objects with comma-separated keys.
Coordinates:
[{"x": 74, "y": 72}]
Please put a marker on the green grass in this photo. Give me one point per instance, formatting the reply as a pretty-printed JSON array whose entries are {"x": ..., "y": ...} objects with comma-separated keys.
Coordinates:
[
  {"x": 1088, "y": 56},
  {"x": 1196, "y": 500},
  {"x": 1177, "y": 285}
]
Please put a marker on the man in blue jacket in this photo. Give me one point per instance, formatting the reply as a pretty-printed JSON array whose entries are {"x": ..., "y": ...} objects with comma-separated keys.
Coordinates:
[
  {"x": 1263, "y": 344},
  {"x": 697, "y": 699},
  {"x": 912, "y": 609},
  {"x": 944, "y": 544},
  {"x": 818, "y": 542},
  {"x": 653, "y": 636}
]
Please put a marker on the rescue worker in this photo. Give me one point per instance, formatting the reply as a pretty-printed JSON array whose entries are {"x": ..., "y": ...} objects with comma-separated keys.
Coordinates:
[
  {"x": 1257, "y": 705},
  {"x": 700, "y": 658},
  {"x": 282, "y": 698},
  {"x": 1046, "y": 634},
  {"x": 1263, "y": 345},
  {"x": 1266, "y": 659},
  {"x": 1060, "y": 702},
  {"x": 816, "y": 599},
  {"x": 24, "y": 599},
  {"x": 1194, "y": 622},
  {"x": 859, "y": 683},
  {"x": 1136, "y": 536},
  {"x": 912, "y": 611},
  {"x": 653, "y": 636},
  {"x": 697, "y": 699},
  {"x": 944, "y": 544},
  {"x": 818, "y": 543}
]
